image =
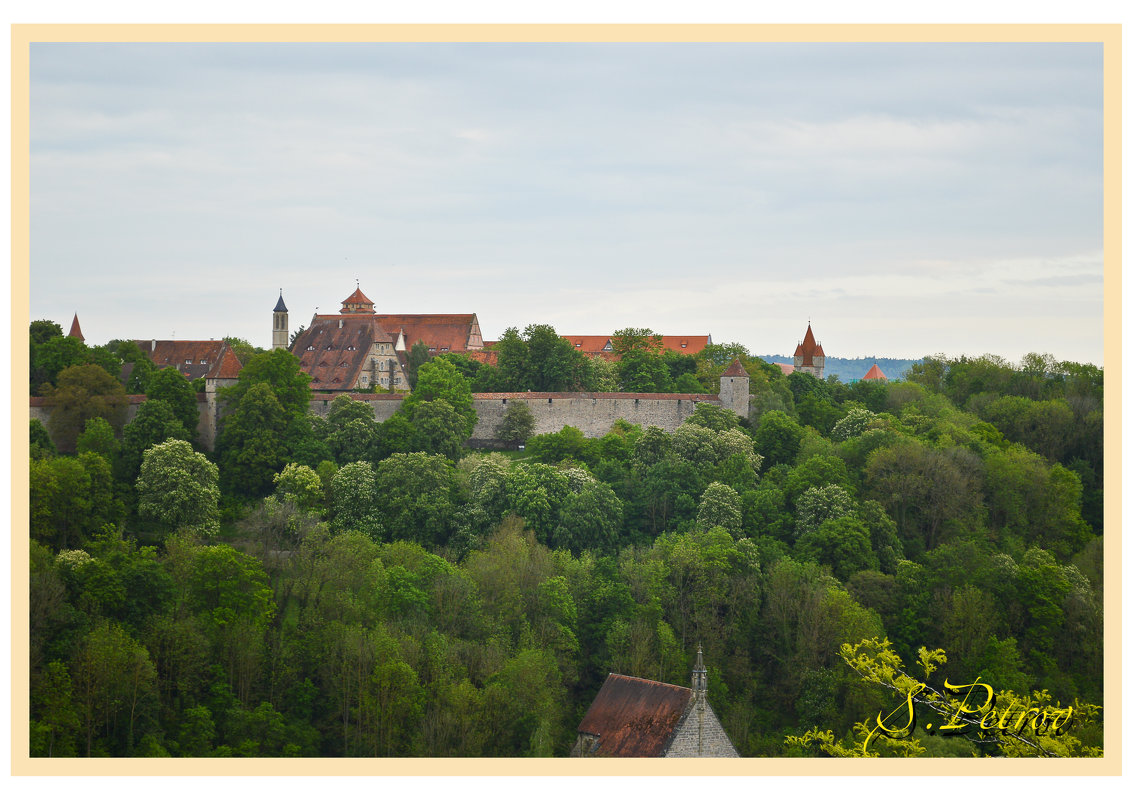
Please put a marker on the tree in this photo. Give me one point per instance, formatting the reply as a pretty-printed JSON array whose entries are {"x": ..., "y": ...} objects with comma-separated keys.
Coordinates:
[
  {"x": 54, "y": 355},
  {"x": 82, "y": 393},
  {"x": 777, "y": 438},
  {"x": 414, "y": 497},
  {"x": 720, "y": 506},
  {"x": 98, "y": 437},
  {"x": 352, "y": 498},
  {"x": 178, "y": 488},
  {"x": 301, "y": 485},
  {"x": 993, "y": 721},
  {"x": 279, "y": 369},
  {"x": 418, "y": 355},
  {"x": 589, "y": 519},
  {"x": 253, "y": 442},
  {"x": 40, "y": 444},
  {"x": 517, "y": 424},
  {"x": 153, "y": 424},
  {"x": 842, "y": 543},
  {"x": 170, "y": 386}
]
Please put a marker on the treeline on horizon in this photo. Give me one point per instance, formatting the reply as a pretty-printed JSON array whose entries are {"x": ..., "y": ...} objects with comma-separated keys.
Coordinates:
[{"x": 342, "y": 587}]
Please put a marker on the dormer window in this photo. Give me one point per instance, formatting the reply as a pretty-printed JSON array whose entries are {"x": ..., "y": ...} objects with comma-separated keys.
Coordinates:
[{"x": 188, "y": 361}]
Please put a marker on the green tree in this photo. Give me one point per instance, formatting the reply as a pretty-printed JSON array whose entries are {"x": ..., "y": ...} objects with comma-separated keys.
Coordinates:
[
  {"x": 720, "y": 506},
  {"x": 170, "y": 386},
  {"x": 154, "y": 423},
  {"x": 589, "y": 519},
  {"x": 82, "y": 393},
  {"x": 414, "y": 497},
  {"x": 777, "y": 438},
  {"x": 178, "y": 488},
  {"x": 842, "y": 543},
  {"x": 98, "y": 437},
  {"x": 517, "y": 424},
  {"x": 40, "y": 444},
  {"x": 253, "y": 442},
  {"x": 299, "y": 484}
]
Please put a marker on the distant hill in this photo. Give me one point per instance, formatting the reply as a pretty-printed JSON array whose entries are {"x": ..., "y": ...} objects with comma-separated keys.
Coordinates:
[{"x": 846, "y": 370}]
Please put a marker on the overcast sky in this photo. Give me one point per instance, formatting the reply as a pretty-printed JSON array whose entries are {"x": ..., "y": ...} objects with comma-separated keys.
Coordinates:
[{"x": 907, "y": 199}]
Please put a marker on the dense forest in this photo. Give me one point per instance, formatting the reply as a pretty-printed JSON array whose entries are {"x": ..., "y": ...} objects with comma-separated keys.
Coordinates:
[{"x": 335, "y": 586}]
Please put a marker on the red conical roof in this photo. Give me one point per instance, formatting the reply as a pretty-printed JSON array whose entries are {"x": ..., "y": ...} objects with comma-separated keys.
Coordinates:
[
  {"x": 874, "y": 374},
  {"x": 75, "y": 331},
  {"x": 809, "y": 341}
]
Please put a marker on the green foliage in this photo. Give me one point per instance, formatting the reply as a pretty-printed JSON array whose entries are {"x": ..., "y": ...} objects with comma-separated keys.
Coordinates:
[
  {"x": 170, "y": 386},
  {"x": 154, "y": 423},
  {"x": 40, "y": 444},
  {"x": 177, "y": 488},
  {"x": 517, "y": 424},
  {"x": 82, "y": 393},
  {"x": 720, "y": 506},
  {"x": 98, "y": 437}
]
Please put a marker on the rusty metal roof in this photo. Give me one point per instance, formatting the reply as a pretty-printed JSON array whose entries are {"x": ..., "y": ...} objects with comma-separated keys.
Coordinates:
[{"x": 635, "y": 717}]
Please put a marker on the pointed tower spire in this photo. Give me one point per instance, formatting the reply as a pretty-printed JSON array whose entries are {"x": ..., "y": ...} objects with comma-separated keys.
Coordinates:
[
  {"x": 76, "y": 332},
  {"x": 700, "y": 676},
  {"x": 279, "y": 324}
]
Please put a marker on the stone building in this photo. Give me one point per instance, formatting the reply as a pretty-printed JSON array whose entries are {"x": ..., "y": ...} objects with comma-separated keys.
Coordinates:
[
  {"x": 279, "y": 325},
  {"x": 193, "y": 358},
  {"x": 809, "y": 356},
  {"x": 350, "y": 350},
  {"x": 633, "y": 717}
]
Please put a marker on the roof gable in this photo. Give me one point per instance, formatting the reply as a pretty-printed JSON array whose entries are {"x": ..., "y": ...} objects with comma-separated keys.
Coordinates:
[
  {"x": 335, "y": 347},
  {"x": 193, "y": 358},
  {"x": 635, "y": 717}
]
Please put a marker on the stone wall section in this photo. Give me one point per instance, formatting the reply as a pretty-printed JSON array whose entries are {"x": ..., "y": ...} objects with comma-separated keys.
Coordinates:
[{"x": 700, "y": 734}]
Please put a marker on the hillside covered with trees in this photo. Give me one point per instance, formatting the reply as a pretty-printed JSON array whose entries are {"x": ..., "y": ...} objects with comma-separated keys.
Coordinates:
[{"x": 335, "y": 586}]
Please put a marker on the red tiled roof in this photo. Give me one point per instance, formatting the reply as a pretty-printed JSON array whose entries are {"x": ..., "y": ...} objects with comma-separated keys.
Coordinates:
[
  {"x": 635, "y": 717},
  {"x": 356, "y": 299},
  {"x": 75, "y": 331},
  {"x": 483, "y": 356},
  {"x": 597, "y": 343},
  {"x": 192, "y": 357},
  {"x": 228, "y": 366},
  {"x": 874, "y": 374},
  {"x": 786, "y": 369},
  {"x": 445, "y": 333},
  {"x": 334, "y": 348},
  {"x": 735, "y": 369},
  {"x": 808, "y": 349}
]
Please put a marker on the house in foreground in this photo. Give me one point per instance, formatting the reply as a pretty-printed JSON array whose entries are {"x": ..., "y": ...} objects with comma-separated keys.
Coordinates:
[{"x": 632, "y": 717}]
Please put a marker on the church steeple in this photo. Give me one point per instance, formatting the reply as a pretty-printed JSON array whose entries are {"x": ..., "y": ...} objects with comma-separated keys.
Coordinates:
[
  {"x": 279, "y": 324},
  {"x": 700, "y": 677},
  {"x": 76, "y": 332}
]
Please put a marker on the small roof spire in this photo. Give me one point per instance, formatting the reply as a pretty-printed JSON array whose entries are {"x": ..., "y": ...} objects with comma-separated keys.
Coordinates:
[
  {"x": 280, "y": 306},
  {"x": 76, "y": 332},
  {"x": 699, "y": 667}
]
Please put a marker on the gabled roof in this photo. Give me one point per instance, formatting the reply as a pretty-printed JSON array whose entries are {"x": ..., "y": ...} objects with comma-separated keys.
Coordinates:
[
  {"x": 334, "y": 348},
  {"x": 75, "y": 331},
  {"x": 735, "y": 369},
  {"x": 635, "y": 717},
  {"x": 193, "y": 358},
  {"x": 604, "y": 343},
  {"x": 228, "y": 366},
  {"x": 786, "y": 369},
  {"x": 874, "y": 374},
  {"x": 445, "y": 333}
]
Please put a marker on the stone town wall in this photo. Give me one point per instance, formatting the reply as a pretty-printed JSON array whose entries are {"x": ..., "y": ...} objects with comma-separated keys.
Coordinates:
[
  {"x": 593, "y": 413},
  {"x": 700, "y": 734},
  {"x": 40, "y": 409}
]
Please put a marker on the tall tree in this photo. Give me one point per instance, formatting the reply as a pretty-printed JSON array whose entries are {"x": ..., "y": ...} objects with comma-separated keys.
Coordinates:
[{"x": 177, "y": 488}]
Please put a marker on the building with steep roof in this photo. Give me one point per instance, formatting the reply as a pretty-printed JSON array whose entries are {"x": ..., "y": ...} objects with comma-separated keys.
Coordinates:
[
  {"x": 440, "y": 333},
  {"x": 350, "y": 350},
  {"x": 633, "y": 717},
  {"x": 193, "y": 358},
  {"x": 76, "y": 332},
  {"x": 809, "y": 356}
]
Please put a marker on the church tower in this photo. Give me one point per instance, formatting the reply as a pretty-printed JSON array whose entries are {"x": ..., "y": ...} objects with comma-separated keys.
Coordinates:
[{"x": 279, "y": 325}]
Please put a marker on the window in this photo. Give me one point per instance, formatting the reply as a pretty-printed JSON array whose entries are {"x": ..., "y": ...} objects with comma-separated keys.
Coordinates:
[
  {"x": 204, "y": 361},
  {"x": 188, "y": 361}
]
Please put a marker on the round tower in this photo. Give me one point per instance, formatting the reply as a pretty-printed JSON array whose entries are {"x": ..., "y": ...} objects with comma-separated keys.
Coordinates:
[{"x": 279, "y": 325}]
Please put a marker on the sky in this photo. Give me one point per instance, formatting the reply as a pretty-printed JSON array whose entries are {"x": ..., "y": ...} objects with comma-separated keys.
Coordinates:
[{"x": 906, "y": 199}]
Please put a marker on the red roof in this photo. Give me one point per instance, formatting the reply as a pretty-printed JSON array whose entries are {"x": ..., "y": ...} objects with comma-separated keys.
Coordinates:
[
  {"x": 643, "y": 396},
  {"x": 635, "y": 717},
  {"x": 334, "y": 348},
  {"x": 735, "y": 369},
  {"x": 786, "y": 369},
  {"x": 598, "y": 343},
  {"x": 356, "y": 299},
  {"x": 874, "y": 374},
  {"x": 228, "y": 366},
  {"x": 192, "y": 357},
  {"x": 444, "y": 333},
  {"x": 809, "y": 349},
  {"x": 75, "y": 331}
]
